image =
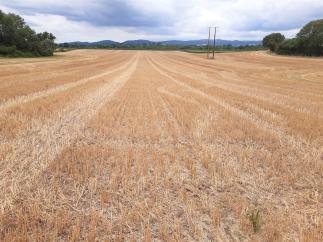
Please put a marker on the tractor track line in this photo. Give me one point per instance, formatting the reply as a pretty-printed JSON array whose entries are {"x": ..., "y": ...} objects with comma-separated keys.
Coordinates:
[
  {"x": 30, "y": 154},
  {"x": 36, "y": 95},
  {"x": 296, "y": 143}
]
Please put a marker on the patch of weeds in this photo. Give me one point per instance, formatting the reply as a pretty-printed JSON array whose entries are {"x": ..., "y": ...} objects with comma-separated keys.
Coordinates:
[{"x": 254, "y": 217}]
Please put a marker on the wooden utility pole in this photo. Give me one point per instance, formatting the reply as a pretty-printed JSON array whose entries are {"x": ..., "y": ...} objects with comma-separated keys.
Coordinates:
[
  {"x": 214, "y": 42},
  {"x": 208, "y": 44}
]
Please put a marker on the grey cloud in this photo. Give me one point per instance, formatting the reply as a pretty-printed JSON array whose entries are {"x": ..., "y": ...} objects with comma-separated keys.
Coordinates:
[
  {"x": 117, "y": 13},
  {"x": 175, "y": 17}
]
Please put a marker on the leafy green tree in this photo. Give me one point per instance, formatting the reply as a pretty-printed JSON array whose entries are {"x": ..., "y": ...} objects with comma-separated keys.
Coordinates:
[
  {"x": 17, "y": 37},
  {"x": 2, "y": 16},
  {"x": 273, "y": 41},
  {"x": 66, "y": 45},
  {"x": 310, "y": 38},
  {"x": 289, "y": 47}
]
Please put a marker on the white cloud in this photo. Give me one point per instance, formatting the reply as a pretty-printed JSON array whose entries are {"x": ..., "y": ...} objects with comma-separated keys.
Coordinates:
[
  {"x": 67, "y": 30},
  {"x": 119, "y": 20}
]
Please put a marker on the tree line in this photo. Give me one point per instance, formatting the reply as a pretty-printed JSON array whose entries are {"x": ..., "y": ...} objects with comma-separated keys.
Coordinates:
[
  {"x": 308, "y": 42},
  {"x": 187, "y": 48},
  {"x": 18, "y": 39}
]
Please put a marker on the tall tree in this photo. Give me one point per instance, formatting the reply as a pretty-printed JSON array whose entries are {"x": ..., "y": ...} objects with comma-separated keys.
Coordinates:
[
  {"x": 310, "y": 38},
  {"x": 15, "y": 34},
  {"x": 273, "y": 41}
]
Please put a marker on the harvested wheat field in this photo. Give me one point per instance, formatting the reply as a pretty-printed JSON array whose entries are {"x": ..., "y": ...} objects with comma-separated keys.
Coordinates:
[{"x": 161, "y": 146}]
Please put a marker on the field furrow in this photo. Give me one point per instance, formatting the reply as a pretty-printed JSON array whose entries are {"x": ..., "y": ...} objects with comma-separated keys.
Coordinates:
[
  {"x": 42, "y": 142},
  {"x": 50, "y": 91}
]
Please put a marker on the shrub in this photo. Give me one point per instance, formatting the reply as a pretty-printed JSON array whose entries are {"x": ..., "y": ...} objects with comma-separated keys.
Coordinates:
[
  {"x": 289, "y": 47},
  {"x": 7, "y": 50}
]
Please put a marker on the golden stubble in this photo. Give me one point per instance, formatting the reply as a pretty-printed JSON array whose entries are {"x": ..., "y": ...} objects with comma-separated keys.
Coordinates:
[{"x": 161, "y": 146}]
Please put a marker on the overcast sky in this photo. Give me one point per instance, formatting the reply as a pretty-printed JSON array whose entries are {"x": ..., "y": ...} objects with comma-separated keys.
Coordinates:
[{"x": 119, "y": 20}]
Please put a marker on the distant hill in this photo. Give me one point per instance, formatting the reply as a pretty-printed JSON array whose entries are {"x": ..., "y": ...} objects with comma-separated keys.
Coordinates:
[
  {"x": 78, "y": 43},
  {"x": 238, "y": 42},
  {"x": 105, "y": 42},
  {"x": 139, "y": 42},
  {"x": 219, "y": 42},
  {"x": 97, "y": 43}
]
